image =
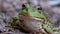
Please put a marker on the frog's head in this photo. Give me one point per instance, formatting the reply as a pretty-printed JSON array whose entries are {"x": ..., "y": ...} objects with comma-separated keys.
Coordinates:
[{"x": 25, "y": 9}]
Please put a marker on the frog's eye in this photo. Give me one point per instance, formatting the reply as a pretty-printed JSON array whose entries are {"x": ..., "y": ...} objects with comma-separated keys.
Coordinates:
[
  {"x": 23, "y": 5},
  {"x": 39, "y": 8}
]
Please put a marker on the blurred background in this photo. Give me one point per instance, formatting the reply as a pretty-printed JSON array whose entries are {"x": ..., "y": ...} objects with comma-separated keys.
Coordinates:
[{"x": 9, "y": 8}]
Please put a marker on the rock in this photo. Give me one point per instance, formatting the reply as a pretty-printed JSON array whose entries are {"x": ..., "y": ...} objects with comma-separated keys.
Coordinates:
[{"x": 11, "y": 6}]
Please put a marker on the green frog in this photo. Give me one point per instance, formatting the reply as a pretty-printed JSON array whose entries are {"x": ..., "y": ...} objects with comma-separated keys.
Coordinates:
[{"x": 33, "y": 12}]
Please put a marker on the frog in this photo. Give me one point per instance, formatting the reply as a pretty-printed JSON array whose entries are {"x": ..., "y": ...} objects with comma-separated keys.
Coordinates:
[{"x": 29, "y": 12}]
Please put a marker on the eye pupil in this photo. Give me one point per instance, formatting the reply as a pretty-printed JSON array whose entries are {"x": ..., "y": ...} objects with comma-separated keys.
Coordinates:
[
  {"x": 23, "y": 5},
  {"x": 40, "y": 8}
]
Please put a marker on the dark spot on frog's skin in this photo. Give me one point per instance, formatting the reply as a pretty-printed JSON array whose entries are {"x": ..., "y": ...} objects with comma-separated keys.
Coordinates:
[
  {"x": 21, "y": 20},
  {"x": 54, "y": 30},
  {"x": 48, "y": 26}
]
